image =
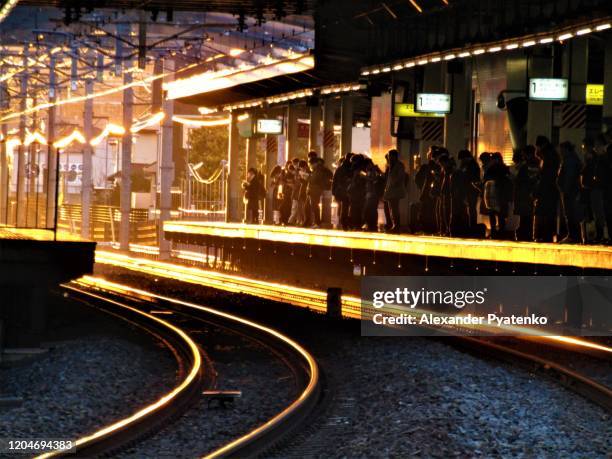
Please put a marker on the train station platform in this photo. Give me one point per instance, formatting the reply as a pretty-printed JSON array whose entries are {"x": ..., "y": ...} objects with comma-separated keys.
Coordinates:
[{"x": 526, "y": 253}]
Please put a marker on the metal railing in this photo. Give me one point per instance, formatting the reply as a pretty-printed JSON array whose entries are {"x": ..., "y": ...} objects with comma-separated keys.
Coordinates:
[
  {"x": 105, "y": 223},
  {"x": 203, "y": 199}
]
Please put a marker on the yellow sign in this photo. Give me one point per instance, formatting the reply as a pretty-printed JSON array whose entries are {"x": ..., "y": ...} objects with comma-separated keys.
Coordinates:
[
  {"x": 407, "y": 110},
  {"x": 594, "y": 94}
]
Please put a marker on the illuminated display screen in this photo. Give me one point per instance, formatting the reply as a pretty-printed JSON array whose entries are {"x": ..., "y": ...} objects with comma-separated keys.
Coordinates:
[
  {"x": 432, "y": 103},
  {"x": 269, "y": 126},
  {"x": 552, "y": 89}
]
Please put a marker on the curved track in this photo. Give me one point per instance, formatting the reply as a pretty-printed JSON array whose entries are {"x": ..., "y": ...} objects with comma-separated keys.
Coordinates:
[{"x": 139, "y": 307}]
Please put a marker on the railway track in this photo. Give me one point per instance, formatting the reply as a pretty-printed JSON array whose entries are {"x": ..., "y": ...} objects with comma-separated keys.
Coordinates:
[
  {"x": 146, "y": 310},
  {"x": 577, "y": 367},
  {"x": 512, "y": 352}
]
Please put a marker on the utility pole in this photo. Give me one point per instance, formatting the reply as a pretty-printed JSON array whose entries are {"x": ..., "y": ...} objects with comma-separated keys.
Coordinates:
[
  {"x": 4, "y": 178},
  {"x": 21, "y": 206},
  {"x": 126, "y": 164},
  {"x": 166, "y": 166},
  {"x": 86, "y": 181},
  {"x": 53, "y": 175}
]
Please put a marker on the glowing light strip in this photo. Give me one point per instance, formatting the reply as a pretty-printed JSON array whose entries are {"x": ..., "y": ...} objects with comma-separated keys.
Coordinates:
[
  {"x": 149, "y": 122},
  {"x": 197, "y": 364},
  {"x": 313, "y": 299},
  {"x": 325, "y": 90},
  {"x": 214, "y": 81},
  {"x": 508, "y": 44},
  {"x": 32, "y": 137},
  {"x": 231, "y": 283},
  {"x": 200, "y": 122},
  {"x": 109, "y": 129},
  {"x": 280, "y": 417},
  {"x": 416, "y": 6},
  {"x": 7, "y": 8},
  {"x": 471, "y": 249},
  {"x": 74, "y": 136},
  {"x": 96, "y": 94}
]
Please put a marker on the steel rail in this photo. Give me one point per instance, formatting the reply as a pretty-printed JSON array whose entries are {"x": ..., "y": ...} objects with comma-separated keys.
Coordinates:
[
  {"x": 292, "y": 353},
  {"x": 126, "y": 430}
]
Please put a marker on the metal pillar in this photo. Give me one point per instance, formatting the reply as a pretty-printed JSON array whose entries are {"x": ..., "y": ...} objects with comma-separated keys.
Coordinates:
[
  {"x": 575, "y": 67},
  {"x": 539, "y": 118},
  {"x": 607, "y": 106},
  {"x": 292, "y": 132},
  {"x": 86, "y": 180},
  {"x": 329, "y": 150},
  {"x": 21, "y": 206},
  {"x": 457, "y": 124},
  {"x": 315, "y": 129},
  {"x": 346, "y": 121},
  {"x": 166, "y": 169},
  {"x": 4, "y": 178},
  {"x": 271, "y": 156},
  {"x": 52, "y": 154},
  {"x": 251, "y": 153},
  {"x": 234, "y": 194},
  {"x": 126, "y": 165}
]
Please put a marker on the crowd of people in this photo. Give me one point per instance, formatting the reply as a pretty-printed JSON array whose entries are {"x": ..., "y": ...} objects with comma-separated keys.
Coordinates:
[{"x": 552, "y": 192}]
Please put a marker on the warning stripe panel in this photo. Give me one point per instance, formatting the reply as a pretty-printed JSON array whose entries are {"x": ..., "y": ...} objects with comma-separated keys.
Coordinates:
[
  {"x": 573, "y": 116},
  {"x": 329, "y": 139},
  {"x": 433, "y": 131}
]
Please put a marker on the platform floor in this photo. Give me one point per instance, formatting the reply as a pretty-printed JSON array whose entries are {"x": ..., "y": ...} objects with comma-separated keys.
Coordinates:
[
  {"x": 581, "y": 256},
  {"x": 31, "y": 234}
]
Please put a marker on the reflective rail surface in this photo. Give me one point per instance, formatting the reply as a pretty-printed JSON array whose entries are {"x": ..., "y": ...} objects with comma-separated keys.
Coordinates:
[
  {"x": 291, "y": 352},
  {"x": 297, "y": 296},
  {"x": 582, "y": 256},
  {"x": 109, "y": 436}
]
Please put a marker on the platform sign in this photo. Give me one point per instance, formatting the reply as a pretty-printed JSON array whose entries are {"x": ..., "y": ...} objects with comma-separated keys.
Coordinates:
[
  {"x": 594, "y": 94},
  {"x": 269, "y": 126},
  {"x": 407, "y": 111},
  {"x": 432, "y": 103},
  {"x": 548, "y": 89}
]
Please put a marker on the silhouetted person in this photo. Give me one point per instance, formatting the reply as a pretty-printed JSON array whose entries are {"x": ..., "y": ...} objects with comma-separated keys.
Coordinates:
[
  {"x": 427, "y": 181},
  {"x": 340, "y": 183},
  {"x": 319, "y": 181},
  {"x": 497, "y": 193},
  {"x": 395, "y": 190},
  {"x": 375, "y": 186},
  {"x": 596, "y": 178},
  {"x": 471, "y": 173},
  {"x": 253, "y": 192},
  {"x": 568, "y": 182},
  {"x": 586, "y": 185},
  {"x": 356, "y": 192},
  {"x": 546, "y": 195},
  {"x": 527, "y": 176},
  {"x": 460, "y": 189}
]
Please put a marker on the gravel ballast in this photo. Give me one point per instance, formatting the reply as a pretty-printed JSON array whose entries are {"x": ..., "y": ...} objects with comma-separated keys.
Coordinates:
[{"x": 84, "y": 381}]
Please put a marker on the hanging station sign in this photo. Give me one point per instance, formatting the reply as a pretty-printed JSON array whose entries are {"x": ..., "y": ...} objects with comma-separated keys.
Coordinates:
[
  {"x": 432, "y": 103},
  {"x": 269, "y": 126},
  {"x": 594, "y": 94},
  {"x": 407, "y": 111},
  {"x": 548, "y": 89}
]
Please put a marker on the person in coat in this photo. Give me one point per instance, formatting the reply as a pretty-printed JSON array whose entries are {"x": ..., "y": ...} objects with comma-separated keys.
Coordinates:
[
  {"x": 568, "y": 182},
  {"x": 546, "y": 195},
  {"x": 395, "y": 190}
]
